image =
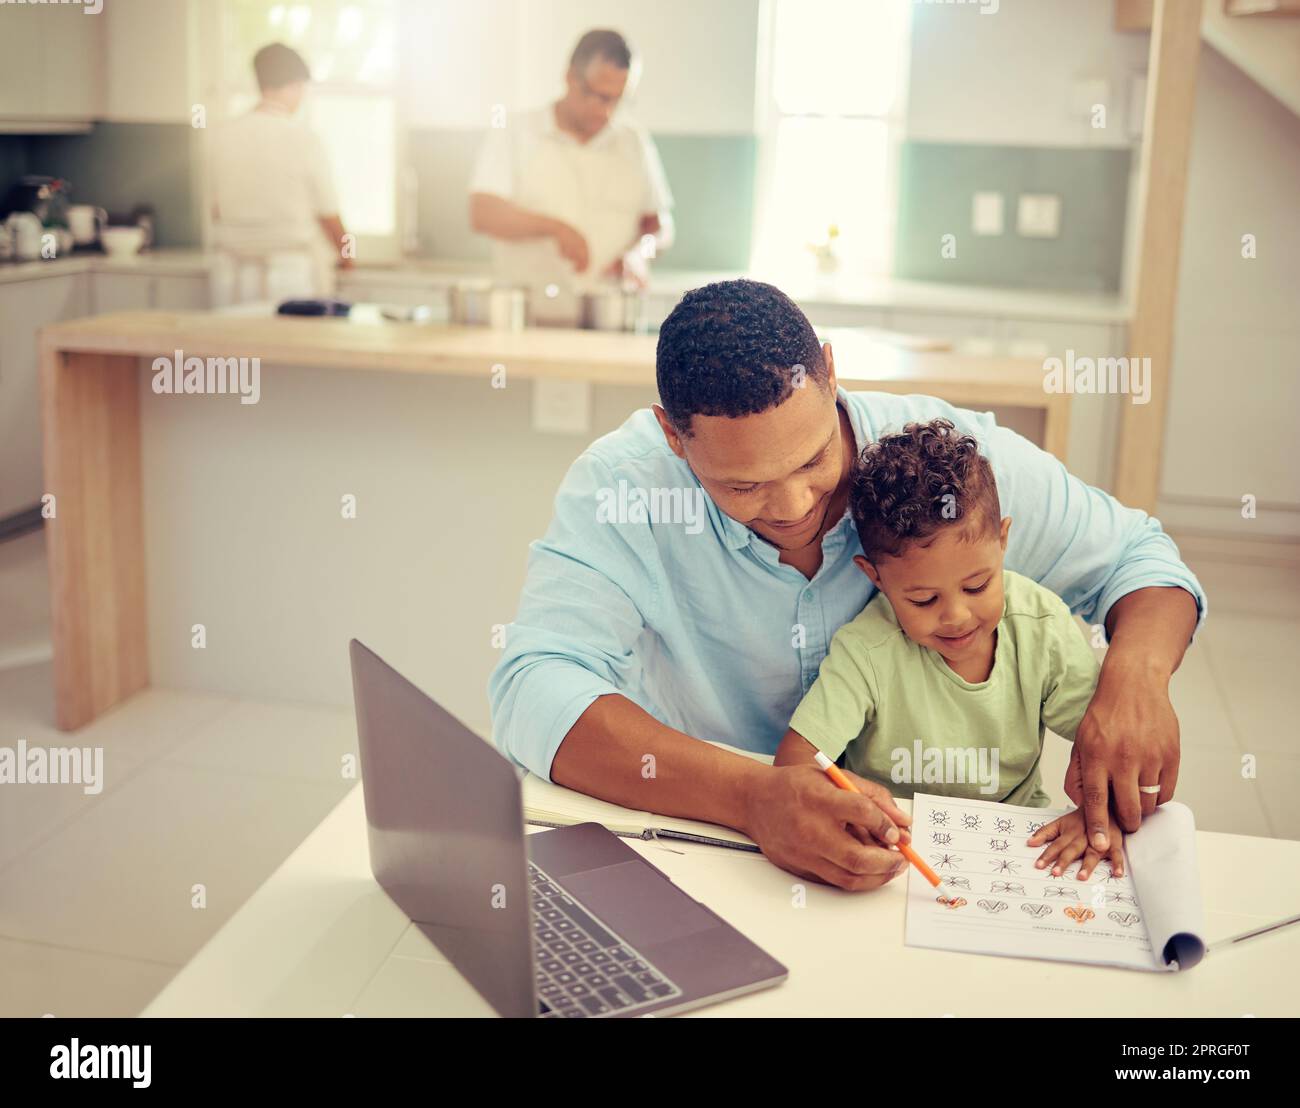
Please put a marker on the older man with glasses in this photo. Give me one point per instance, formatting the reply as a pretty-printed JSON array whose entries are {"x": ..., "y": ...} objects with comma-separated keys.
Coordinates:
[{"x": 573, "y": 194}]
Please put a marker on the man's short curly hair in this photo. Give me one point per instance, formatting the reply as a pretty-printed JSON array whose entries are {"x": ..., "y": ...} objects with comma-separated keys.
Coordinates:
[
  {"x": 907, "y": 486},
  {"x": 731, "y": 349}
]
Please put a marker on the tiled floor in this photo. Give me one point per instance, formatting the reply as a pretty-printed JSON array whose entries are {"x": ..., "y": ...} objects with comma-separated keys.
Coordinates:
[{"x": 103, "y": 898}]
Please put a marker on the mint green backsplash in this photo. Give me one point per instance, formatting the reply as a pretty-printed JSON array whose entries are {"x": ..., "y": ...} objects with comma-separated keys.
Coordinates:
[
  {"x": 711, "y": 177},
  {"x": 119, "y": 165},
  {"x": 936, "y": 185}
]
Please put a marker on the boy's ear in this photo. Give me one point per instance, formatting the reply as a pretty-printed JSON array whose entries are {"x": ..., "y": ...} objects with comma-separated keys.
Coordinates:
[
  {"x": 1006, "y": 527},
  {"x": 867, "y": 568}
]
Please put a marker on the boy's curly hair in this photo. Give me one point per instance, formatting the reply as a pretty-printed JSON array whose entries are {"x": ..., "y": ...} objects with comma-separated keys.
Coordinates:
[{"x": 907, "y": 486}]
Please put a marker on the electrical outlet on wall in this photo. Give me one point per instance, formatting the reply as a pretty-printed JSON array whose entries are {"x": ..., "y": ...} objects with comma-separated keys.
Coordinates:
[
  {"x": 1038, "y": 215},
  {"x": 986, "y": 213}
]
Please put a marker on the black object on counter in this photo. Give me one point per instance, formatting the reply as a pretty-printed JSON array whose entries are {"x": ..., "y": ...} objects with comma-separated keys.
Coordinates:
[
  {"x": 314, "y": 307},
  {"x": 44, "y": 197}
]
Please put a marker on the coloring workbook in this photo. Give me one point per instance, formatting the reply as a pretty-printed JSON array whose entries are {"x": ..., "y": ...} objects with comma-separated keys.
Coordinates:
[{"x": 994, "y": 901}]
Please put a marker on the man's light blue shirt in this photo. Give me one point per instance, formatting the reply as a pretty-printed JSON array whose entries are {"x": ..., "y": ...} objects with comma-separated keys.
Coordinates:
[{"x": 694, "y": 618}]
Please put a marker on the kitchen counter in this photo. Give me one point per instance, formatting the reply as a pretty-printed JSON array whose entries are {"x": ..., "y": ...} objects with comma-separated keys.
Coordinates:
[
  {"x": 600, "y": 357},
  {"x": 95, "y": 387},
  {"x": 154, "y": 263},
  {"x": 885, "y": 293},
  {"x": 893, "y": 293},
  {"x": 809, "y": 291}
]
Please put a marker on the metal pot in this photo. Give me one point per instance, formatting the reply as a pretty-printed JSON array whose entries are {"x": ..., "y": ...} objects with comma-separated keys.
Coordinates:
[
  {"x": 468, "y": 303},
  {"x": 613, "y": 310},
  {"x": 480, "y": 303},
  {"x": 508, "y": 308}
]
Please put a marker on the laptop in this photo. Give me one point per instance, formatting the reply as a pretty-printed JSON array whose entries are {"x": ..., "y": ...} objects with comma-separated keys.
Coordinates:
[{"x": 565, "y": 923}]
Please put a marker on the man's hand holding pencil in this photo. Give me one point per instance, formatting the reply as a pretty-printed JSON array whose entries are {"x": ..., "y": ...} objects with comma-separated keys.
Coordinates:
[{"x": 839, "y": 837}]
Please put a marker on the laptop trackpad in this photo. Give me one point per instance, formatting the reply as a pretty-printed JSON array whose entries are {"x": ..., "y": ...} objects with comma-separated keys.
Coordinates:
[{"x": 641, "y": 906}]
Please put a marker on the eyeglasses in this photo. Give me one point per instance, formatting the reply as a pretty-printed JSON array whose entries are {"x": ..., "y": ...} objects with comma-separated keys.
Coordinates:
[{"x": 591, "y": 94}]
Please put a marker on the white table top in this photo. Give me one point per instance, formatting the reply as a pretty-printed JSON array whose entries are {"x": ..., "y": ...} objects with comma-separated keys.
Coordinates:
[{"x": 320, "y": 938}]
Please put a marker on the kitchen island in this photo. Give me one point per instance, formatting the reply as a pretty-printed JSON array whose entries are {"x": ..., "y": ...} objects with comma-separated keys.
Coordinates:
[{"x": 210, "y": 542}]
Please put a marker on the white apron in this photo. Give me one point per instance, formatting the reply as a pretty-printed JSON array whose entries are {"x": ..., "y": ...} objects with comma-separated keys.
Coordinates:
[
  {"x": 594, "y": 192},
  {"x": 245, "y": 274}
]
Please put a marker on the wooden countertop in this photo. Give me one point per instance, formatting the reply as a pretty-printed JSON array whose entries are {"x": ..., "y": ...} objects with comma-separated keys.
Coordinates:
[
  {"x": 91, "y": 374},
  {"x": 600, "y": 357}
]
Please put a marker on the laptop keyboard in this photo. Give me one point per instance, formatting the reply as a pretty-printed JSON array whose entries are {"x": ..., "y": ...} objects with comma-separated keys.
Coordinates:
[{"x": 583, "y": 968}]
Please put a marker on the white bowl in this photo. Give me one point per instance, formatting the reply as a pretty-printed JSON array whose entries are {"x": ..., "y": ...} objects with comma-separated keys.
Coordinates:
[{"x": 121, "y": 242}]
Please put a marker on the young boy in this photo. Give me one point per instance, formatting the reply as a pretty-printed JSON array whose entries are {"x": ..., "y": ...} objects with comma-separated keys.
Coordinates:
[{"x": 944, "y": 682}]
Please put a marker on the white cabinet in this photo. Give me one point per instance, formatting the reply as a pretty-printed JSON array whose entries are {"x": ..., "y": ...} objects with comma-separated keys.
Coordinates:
[
  {"x": 1094, "y": 417},
  {"x": 20, "y": 75},
  {"x": 28, "y": 305},
  {"x": 140, "y": 292},
  {"x": 182, "y": 294},
  {"x": 151, "y": 51},
  {"x": 72, "y": 62},
  {"x": 53, "y": 63},
  {"x": 25, "y": 307},
  {"x": 121, "y": 292},
  {"x": 969, "y": 334}
]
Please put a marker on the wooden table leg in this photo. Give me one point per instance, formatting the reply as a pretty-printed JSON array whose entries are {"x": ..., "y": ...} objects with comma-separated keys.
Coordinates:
[
  {"x": 1056, "y": 426},
  {"x": 95, "y": 538}
]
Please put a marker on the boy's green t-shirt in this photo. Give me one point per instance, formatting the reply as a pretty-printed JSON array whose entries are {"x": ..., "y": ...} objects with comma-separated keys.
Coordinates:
[{"x": 911, "y": 723}]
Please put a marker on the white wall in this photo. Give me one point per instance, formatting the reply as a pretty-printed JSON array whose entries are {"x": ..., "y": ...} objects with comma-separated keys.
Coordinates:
[
  {"x": 460, "y": 59},
  {"x": 1010, "y": 77},
  {"x": 699, "y": 57},
  {"x": 1235, "y": 398}
]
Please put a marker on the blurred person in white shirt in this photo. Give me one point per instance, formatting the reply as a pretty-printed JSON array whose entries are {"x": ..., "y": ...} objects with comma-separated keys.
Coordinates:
[
  {"x": 574, "y": 194},
  {"x": 276, "y": 229}
]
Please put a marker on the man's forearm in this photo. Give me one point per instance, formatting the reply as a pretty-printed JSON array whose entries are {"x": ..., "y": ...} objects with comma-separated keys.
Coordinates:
[
  {"x": 664, "y": 231},
  {"x": 619, "y": 752},
  {"x": 658, "y": 226},
  {"x": 1149, "y": 630},
  {"x": 496, "y": 216},
  {"x": 332, "y": 225}
]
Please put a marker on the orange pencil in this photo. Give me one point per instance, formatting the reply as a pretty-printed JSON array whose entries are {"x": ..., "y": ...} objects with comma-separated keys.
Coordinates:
[{"x": 837, "y": 775}]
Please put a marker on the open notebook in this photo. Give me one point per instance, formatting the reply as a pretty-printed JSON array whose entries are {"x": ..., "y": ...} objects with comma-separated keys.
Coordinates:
[
  {"x": 994, "y": 901},
  {"x": 555, "y": 806}
]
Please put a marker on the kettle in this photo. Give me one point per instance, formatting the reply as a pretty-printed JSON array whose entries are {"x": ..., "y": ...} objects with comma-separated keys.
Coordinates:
[{"x": 25, "y": 230}]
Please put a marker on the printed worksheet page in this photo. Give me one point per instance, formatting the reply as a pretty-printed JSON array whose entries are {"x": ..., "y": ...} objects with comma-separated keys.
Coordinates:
[{"x": 994, "y": 901}]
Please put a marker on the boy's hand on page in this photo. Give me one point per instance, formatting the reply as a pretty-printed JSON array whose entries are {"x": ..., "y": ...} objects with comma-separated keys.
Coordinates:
[
  {"x": 1068, "y": 837},
  {"x": 802, "y": 822}
]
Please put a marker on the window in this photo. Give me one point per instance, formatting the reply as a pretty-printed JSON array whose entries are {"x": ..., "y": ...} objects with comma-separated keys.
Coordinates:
[
  {"x": 832, "y": 87},
  {"x": 351, "y": 49}
]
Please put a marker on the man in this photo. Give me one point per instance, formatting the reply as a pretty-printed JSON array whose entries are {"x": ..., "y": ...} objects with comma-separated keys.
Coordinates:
[
  {"x": 636, "y": 639},
  {"x": 276, "y": 227},
  {"x": 574, "y": 194}
]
